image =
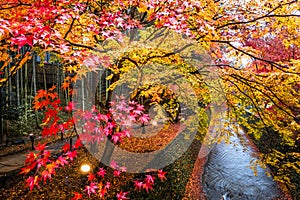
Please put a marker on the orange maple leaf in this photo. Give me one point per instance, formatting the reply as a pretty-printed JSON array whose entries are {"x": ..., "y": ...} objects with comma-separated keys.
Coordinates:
[
  {"x": 65, "y": 85},
  {"x": 51, "y": 167}
]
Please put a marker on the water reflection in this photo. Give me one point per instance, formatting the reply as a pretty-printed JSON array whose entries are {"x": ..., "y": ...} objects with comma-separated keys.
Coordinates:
[{"x": 227, "y": 171}]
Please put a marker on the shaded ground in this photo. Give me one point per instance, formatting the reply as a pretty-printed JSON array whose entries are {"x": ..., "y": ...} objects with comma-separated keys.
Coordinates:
[
  {"x": 183, "y": 176},
  {"x": 11, "y": 163},
  {"x": 69, "y": 179},
  {"x": 22, "y": 148},
  {"x": 194, "y": 189}
]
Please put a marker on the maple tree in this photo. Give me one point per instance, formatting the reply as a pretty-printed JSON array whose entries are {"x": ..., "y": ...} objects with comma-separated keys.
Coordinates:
[
  {"x": 254, "y": 47},
  {"x": 96, "y": 127}
]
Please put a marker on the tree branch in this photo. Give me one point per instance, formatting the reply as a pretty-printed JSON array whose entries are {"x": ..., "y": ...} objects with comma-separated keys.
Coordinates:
[
  {"x": 264, "y": 16},
  {"x": 70, "y": 28},
  {"x": 245, "y": 81},
  {"x": 16, "y": 67},
  {"x": 85, "y": 46},
  {"x": 253, "y": 103},
  {"x": 276, "y": 65}
]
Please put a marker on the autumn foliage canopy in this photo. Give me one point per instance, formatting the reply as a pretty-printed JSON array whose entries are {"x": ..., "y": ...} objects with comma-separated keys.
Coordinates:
[{"x": 253, "y": 46}]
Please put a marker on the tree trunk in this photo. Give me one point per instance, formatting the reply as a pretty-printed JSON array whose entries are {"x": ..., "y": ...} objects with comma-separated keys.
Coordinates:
[
  {"x": 9, "y": 89},
  {"x": 18, "y": 88},
  {"x": 45, "y": 78},
  {"x": 6, "y": 104},
  {"x": 108, "y": 152},
  {"x": 58, "y": 81},
  {"x": 25, "y": 91},
  {"x": 22, "y": 87},
  {"x": 34, "y": 74},
  {"x": 1, "y": 126},
  {"x": 34, "y": 86},
  {"x": 82, "y": 94}
]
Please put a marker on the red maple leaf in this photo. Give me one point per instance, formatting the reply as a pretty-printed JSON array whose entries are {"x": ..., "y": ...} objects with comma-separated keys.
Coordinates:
[
  {"x": 61, "y": 161},
  {"x": 91, "y": 177},
  {"x": 40, "y": 147},
  {"x": 91, "y": 188},
  {"x": 144, "y": 118},
  {"x": 32, "y": 181},
  {"x": 149, "y": 179},
  {"x": 30, "y": 157},
  {"x": 65, "y": 85},
  {"x": 72, "y": 155},
  {"x": 113, "y": 164},
  {"x": 102, "y": 192},
  {"x": 101, "y": 172},
  {"x": 122, "y": 195},
  {"x": 46, "y": 175},
  {"x": 138, "y": 185},
  {"x": 77, "y": 143},
  {"x": 161, "y": 175},
  {"x": 117, "y": 173},
  {"x": 25, "y": 170},
  {"x": 37, "y": 105},
  {"x": 40, "y": 94},
  {"x": 42, "y": 162},
  {"x": 77, "y": 196},
  {"x": 66, "y": 147},
  {"x": 107, "y": 185},
  {"x": 147, "y": 186},
  {"x": 70, "y": 106},
  {"x": 51, "y": 167}
]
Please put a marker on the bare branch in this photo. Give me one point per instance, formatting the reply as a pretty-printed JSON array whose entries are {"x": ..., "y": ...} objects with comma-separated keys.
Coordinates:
[
  {"x": 264, "y": 16},
  {"x": 70, "y": 28},
  {"x": 274, "y": 64},
  {"x": 245, "y": 81},
  {"x": 259, "y": 111},
  {"x": 85, "y": 46}
]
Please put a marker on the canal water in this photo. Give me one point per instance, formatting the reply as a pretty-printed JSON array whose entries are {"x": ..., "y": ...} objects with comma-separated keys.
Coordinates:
[{"x": 228, "y": 171}]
